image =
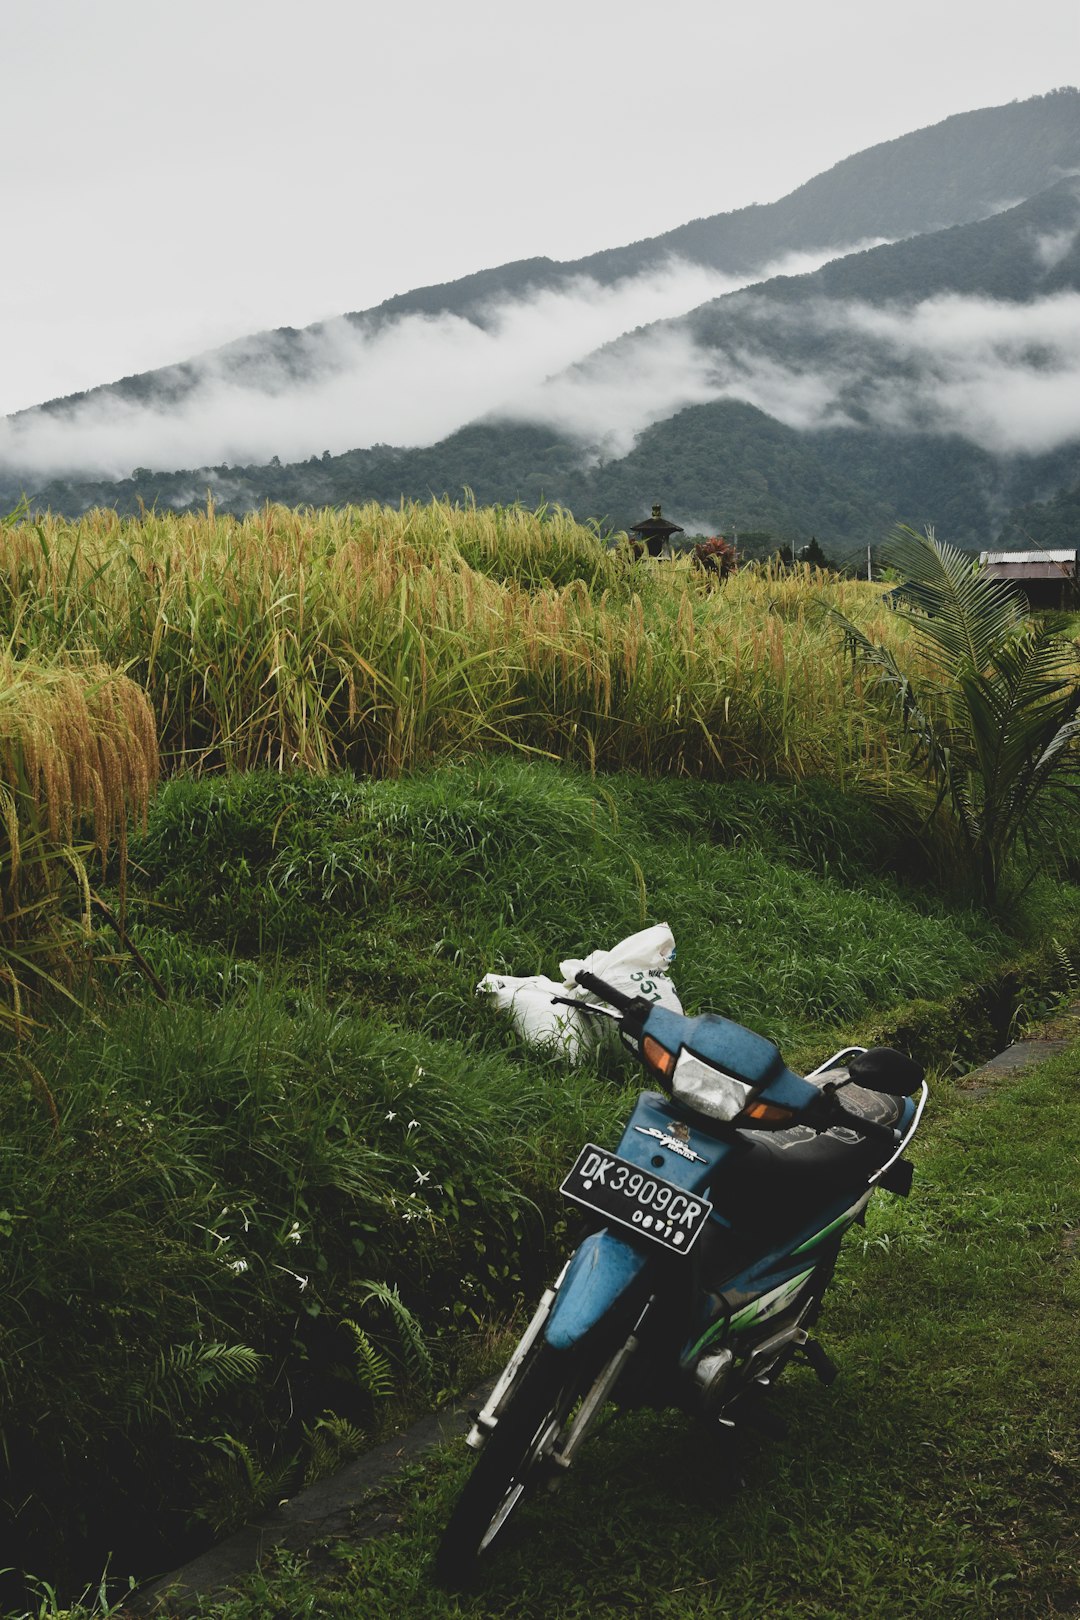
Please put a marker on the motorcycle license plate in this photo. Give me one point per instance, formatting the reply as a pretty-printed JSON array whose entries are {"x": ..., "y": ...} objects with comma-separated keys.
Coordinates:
[{"x": 630, "y": 1196}]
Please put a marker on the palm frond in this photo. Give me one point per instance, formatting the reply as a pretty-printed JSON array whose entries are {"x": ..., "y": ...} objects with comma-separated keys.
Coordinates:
[
  {"x": 997, "y": 724},
  {"x": 964, "y": 616},
  {"x": 923, "y": 731}
]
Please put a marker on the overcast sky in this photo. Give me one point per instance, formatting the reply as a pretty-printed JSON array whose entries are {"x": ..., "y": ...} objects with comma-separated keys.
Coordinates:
[{"x": 175, "y": 175}]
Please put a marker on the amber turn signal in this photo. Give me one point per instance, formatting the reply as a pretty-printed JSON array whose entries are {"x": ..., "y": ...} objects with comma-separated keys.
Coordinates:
[
  {"x": 769, "y": 1113},
  {"x": 658, "y": 1057}
]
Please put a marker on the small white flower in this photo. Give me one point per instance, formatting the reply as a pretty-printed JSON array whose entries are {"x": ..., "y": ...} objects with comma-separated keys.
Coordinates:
[
  {"x": 391, "y": 1114},
  {"x": 301, "y": 1282},
  {"x": 294, "y": 1234},
  {"x": 237, "y": 1265},
  {"x": 413, "y": 1125},
  {"x": 422, "y": 1176}
]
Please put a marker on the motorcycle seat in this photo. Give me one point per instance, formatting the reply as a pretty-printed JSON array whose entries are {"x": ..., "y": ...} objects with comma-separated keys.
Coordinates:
[{"x": 778, "y": 1175}]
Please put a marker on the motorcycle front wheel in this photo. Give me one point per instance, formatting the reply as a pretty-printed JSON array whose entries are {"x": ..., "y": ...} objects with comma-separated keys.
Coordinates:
[{"x": 515, "y": 1459}]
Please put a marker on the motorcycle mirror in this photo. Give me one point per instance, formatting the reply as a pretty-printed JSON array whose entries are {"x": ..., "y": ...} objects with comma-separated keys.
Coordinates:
[{"x": 882, "y": 1068}]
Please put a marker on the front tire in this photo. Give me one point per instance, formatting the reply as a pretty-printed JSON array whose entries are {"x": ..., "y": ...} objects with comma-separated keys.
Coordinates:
[{"x": 515, "y": 1459}]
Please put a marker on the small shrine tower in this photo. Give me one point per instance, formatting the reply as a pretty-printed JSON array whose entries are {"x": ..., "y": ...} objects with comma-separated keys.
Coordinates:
[{"x": 655, "y": 533}]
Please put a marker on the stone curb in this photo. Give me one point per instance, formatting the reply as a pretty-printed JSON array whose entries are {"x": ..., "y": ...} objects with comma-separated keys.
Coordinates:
[{"x": 347, "y": 1504}]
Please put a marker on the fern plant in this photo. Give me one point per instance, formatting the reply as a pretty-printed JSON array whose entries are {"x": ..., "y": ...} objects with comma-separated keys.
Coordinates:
[
  {"x": 332, "y": 1441},
  {"x": 186, "y": 1375},
  {"x": 992, "y": 714},
  {"x": 374, "y": 1366}
]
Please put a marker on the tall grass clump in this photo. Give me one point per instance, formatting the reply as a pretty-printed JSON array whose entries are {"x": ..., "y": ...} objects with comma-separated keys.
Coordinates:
[
  {"x": 220, "y": 1251},
  {"x": 380, "y": 639},
  {"x": 78, "y": 756}
]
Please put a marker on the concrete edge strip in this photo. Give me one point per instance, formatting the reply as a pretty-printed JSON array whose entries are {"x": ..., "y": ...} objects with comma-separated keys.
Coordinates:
[{"x": 330, "y": 1509}]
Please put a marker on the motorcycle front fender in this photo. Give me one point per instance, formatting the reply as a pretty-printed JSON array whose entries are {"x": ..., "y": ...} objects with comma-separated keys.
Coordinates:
[{"x": 604, "y": 1275}]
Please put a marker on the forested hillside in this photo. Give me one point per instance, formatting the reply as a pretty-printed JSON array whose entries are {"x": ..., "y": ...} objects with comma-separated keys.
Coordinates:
[
  {"x": 891, "y": 385},
  {"x": 728, "y": 463},
  {"x": 960, "y": 170}
]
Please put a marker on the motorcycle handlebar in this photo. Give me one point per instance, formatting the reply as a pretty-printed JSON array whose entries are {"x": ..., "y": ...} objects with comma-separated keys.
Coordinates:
[
  {"x": 869, "y": 1128},
  {"x": 607, "y": 992},
  {"x": 832, "y": 1110}
]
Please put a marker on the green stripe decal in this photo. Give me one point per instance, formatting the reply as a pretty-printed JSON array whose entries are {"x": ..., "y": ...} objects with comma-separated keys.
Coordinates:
[
  {"x": 770, "y": 1304},
  {"x": 841, "y": 1220},
  {"x": 706, "y": 1338}
]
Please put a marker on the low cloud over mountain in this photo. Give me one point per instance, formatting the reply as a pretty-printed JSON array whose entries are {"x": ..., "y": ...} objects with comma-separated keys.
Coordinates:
[
  {"x": 1004, "y": 375},
  {"x": 892, "y": 336},
  {"x": 409, "y": 379}
]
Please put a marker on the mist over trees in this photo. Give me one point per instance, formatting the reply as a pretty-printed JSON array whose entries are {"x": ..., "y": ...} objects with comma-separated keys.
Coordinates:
[{"x": 925, "y": 380}]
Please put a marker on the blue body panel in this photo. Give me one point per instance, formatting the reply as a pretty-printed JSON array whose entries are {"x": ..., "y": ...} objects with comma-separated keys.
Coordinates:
[
  {"x": 684, "y": 1148},
  {"x": 655, "y": 1118},
  {"x": 602, "y": 1272}
]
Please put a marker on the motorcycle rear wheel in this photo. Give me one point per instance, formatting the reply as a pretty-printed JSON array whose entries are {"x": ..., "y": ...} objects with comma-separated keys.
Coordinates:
[{"x": 515, "y": 1458}]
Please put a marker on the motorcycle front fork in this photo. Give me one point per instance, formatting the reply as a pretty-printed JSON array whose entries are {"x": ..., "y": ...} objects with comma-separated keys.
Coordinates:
[{"x": 488, "y": 1416}]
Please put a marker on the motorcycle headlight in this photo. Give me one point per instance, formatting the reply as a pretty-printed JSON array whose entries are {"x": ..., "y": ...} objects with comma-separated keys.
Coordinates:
[{"x": 706, "y": 1089}]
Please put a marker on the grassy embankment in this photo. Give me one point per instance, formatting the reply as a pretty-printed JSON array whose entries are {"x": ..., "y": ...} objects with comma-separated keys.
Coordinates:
[
  {"x": 319, "y": 1111},
  {"x": 937, "y": 1476}
]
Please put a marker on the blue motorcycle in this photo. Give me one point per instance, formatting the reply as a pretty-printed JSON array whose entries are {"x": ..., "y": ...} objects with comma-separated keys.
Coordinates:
[{"x": 717, "y": 1226}]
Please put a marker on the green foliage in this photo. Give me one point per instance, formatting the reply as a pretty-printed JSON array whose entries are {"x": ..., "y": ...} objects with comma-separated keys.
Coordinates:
[
  {"x": 994, "y": 713},
  {"x": 331, "y": 1442},
  {"x": 937, "y": 1477},
  {"x": 782, "y": 900},
  {"x": 235, "y": 1484},
  {"x": 337, "y": 1132},
  {"x": 223, "y": 1190},
  {"x": 182, "y": 1377}
]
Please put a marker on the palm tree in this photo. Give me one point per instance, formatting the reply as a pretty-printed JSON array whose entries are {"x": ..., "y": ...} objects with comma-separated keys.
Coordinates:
[{"x": 992, "y": 715}]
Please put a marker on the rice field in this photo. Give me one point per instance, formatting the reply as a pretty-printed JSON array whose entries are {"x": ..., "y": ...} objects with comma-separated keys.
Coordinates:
[{"x": 378, "y": 639}]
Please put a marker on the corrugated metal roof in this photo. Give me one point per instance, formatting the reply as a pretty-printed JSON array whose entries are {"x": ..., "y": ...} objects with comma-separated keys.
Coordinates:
[{"x": 1060, "y": 557}]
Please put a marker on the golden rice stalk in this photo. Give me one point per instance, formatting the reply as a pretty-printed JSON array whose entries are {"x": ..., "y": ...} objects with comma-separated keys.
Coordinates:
[{"x": 77, "y": 741}]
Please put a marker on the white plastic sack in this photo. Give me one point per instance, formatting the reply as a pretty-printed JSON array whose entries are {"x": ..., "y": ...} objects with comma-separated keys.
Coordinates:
[
  {"x": 536, "y": 1017},
  {"x": 637, "y": 965}
]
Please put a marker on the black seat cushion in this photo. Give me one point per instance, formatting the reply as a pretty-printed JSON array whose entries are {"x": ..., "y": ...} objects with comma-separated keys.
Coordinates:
[{"x": 779, "y": 1176}]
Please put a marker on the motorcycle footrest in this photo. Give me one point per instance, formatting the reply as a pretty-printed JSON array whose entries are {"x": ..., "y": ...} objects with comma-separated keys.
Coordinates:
[{"x": 823, "y": 1365}]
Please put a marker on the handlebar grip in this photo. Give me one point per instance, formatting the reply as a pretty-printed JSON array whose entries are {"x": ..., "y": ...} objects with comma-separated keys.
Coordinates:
[
  {"x": 870, "y": 1128},
  {"x": 606, "y": 992}
]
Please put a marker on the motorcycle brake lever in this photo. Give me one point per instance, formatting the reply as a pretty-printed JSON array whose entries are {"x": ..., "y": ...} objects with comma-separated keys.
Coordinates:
[{"x": 587, "y": 1007}]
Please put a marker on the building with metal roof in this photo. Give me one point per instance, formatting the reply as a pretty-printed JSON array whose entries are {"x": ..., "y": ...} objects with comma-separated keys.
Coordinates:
[{"x": 1049, "y": 579}]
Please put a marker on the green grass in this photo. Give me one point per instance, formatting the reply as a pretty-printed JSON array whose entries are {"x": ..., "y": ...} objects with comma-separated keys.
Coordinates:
[
  {"x": 936, "y": 1478},
  {"x": 786, "y": 904},
  {"x": 323, "y": 1103}
]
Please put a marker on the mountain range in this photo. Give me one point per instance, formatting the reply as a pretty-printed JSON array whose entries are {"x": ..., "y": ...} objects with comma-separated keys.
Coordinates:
[{"x": 896, "y": 340}]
